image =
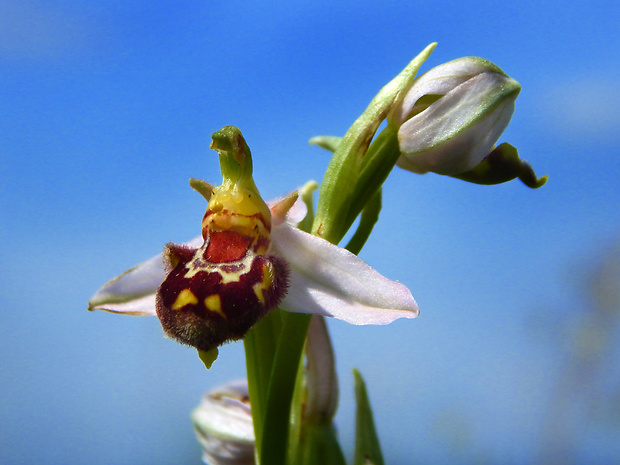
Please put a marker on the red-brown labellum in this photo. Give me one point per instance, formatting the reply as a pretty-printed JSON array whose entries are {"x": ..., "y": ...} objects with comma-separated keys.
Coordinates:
[{"x": 216, "y": 293}]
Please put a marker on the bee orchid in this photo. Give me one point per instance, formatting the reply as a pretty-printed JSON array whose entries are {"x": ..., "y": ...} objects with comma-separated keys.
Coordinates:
[{"x": 250, "y": 258}]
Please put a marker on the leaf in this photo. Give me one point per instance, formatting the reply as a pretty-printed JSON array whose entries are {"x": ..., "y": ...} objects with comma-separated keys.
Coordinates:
[
  {"x": 367, "y": 447},
  {"x": 368, "y": 219}
]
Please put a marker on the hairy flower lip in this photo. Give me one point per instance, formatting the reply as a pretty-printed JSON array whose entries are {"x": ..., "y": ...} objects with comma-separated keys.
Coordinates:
[{"x": 325, "y": 280}]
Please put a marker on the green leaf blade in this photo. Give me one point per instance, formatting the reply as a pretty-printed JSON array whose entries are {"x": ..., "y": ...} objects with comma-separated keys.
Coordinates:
[{"x": 367, "y": 447}]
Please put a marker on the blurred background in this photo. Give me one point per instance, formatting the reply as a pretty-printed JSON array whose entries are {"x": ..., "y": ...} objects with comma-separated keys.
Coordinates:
[{"x": 107, "y": 111}]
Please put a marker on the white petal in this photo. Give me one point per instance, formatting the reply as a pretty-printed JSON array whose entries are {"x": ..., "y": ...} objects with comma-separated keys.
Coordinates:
[
  {"x": 141, "y": 306},
  {"x": 133, "y": 292},
  {"x": 440, "y": 80},
  {"x": 298, "y": 212},
  {"x": 330, "y": 281},
  {"x": 455, "y": 133}
]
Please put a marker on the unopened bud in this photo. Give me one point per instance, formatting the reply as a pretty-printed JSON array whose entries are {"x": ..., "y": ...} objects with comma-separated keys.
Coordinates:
[
  {"x": 223, "y": 425},
  {"x": 452, "y": 116}
]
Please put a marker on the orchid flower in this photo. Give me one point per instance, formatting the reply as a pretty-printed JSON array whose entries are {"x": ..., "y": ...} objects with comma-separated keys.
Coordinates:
[
  {"x": 254, "y": 259},
  {"x": 250, "y": 259}
]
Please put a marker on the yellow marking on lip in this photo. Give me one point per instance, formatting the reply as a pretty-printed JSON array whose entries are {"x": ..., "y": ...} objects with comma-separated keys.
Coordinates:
[
  {"x": 185, "y": 297},
  {"x": 214, "y": 304},
  {"x": 260, "y": 287},
  {"x": 227, "y": 276}
]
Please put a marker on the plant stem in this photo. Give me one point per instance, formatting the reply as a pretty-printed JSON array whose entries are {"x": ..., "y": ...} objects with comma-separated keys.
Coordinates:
[{"x": 274, "y": 446}]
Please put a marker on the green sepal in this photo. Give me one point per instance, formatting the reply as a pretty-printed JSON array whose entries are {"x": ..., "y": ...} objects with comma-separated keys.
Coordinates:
[
  {"x": 340, "y": 184},
  {"x": 502, "y": 165},
  {"x": 306, "y": 192},
  {"x": 368, "y": 219},
  {"x": 208, "y": 357},
  {"x": 329, "y": 143},
  {"x": 367, "y": 447}
]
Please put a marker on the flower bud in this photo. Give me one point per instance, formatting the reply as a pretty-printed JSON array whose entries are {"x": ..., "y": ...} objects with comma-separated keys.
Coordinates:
[
  {"x": 322, "y": 381},
  {"x": 451, "y": 117},
  {"x": 223, "y": 425}
]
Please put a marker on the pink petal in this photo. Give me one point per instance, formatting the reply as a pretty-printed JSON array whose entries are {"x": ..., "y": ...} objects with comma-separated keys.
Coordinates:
[
  {"x": 330, "y": 281},
  {"x": 133, "y": 292}
]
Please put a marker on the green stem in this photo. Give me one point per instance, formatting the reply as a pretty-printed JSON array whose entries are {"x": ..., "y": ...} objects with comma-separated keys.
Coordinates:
[
  {"x": 260, "y": 349},
  {"x": 319, "y": 445},
  {"x": 370, "y": 216},
  {"x": 377, "y": 164},
  {"x": 274, "y": 446},
  {"x": 297, "y": 409}
]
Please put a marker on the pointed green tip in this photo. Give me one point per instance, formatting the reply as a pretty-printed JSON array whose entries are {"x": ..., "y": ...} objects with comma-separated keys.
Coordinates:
[
  {"x": 367, "y": 446},
  {"x": 502, "y": 165},
  {"x": 235, "y": 156},
  {"x": 208, "y": 357},
  {"x": 227, "y": 139},
  {"x": 536, "y": 183},
  {"x": 202, "y": 187},
  {"x": 527, "y": 176},
  {"x": 329, "y": 143}
]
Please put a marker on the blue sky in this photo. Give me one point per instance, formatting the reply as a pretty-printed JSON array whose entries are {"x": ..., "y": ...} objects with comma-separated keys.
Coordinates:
[{"x": 108, "y": 109}]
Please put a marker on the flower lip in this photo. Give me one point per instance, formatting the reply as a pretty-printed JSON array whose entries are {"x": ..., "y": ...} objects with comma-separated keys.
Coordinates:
[{"x": 215, "y": 293}]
